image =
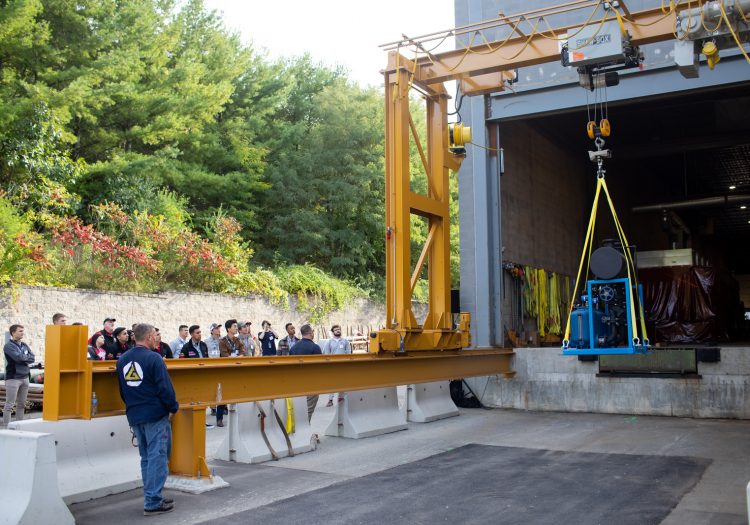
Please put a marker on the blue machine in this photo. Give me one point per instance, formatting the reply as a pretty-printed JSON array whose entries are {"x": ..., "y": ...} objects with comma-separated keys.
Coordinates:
[
  {"x": 602, "y": 324},
  {"x": 601, "y": 320}
]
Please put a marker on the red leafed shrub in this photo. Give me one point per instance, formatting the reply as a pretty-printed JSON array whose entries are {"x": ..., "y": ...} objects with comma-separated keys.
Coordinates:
[{"x": 99, "y": 258}]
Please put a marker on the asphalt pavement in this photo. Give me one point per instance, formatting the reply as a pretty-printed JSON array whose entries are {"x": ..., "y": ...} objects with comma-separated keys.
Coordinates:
[{"x": 484, "y": 466}]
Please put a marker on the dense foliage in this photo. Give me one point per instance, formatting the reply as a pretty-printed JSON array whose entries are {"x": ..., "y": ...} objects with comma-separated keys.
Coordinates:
[{"x": 143, "y": 146}]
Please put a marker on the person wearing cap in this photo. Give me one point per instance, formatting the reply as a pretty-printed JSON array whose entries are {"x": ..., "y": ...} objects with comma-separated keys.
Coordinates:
[
  {"x": 246, "y": 336},
  {"x": 121, "y": 343},
  {"x": 110, "y": 343},
  {"x": 213, "y": 340},
  {"x": 333, "y": 346},
  {"x": 182, "y": 338}
]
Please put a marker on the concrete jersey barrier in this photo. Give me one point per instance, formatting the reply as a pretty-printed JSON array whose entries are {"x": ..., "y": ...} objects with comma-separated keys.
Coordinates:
[
  {"x": 29, "y": 490},
  {"x": 95, "y": 458},
  {"x": 244, "y": 441}
]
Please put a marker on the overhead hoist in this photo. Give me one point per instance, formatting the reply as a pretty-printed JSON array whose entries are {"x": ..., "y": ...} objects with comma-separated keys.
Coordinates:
[{"x": 606, "y": 315}]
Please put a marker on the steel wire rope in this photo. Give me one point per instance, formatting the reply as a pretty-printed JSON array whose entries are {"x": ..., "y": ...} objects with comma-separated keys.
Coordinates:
[
  {"x": 606, "y": 101},
  {"x": 513, "y": 30},
  {"x": 427, "y": 51},
  {"x": 568, "y": 35}
]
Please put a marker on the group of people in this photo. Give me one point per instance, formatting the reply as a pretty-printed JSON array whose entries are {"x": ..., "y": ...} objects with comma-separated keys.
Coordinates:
[
  {"x": 145, "y": 385},
  {"x": 110, "y": 343}
]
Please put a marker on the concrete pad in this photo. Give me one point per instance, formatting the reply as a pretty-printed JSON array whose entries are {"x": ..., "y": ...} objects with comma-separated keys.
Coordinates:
[
  {"x": 480, "y": 484},
  {"x": 544, "y": 380}
]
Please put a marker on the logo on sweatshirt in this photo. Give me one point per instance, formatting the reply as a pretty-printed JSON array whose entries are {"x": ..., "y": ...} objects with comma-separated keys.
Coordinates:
[{"x": 133, "y": 374}]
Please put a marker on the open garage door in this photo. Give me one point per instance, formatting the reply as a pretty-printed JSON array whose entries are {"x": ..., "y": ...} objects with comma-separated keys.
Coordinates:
[{"x": 680, "y": 177}]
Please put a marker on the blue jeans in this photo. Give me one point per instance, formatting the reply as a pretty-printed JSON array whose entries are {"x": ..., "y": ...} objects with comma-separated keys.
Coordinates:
[
  {"x": 154, "y": 445},
  {"x": 220, "y": 411}
]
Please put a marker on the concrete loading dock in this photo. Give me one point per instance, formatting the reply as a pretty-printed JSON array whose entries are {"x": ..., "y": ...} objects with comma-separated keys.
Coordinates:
[
  {"x": 700, "y": 154},
  {"x": 678, "y": 143}
]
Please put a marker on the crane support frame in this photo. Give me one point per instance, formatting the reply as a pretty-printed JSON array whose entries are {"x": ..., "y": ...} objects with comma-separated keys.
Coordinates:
[
  {"x": 480, "y": 69},
  {"x": 402, "y": 331}
]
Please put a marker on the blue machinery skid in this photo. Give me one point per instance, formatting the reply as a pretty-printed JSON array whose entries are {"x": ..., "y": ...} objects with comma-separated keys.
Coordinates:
[{"x": 601, "y": 325}]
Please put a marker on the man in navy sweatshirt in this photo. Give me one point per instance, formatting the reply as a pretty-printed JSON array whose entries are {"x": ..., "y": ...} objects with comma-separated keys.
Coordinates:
[{"x": 150, "y": 403}]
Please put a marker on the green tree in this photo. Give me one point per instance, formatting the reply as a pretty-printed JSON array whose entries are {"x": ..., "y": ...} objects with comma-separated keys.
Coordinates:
[
  {"x": 326, "y": 203},
  {"x": 35, "y": 168}
]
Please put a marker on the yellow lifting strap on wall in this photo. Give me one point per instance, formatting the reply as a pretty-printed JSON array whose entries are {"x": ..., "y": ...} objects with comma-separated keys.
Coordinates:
[
  {"x": 554, "y": 303},
  {"x": 541, "y": 280},
  {"x": 601, "y": 185}
]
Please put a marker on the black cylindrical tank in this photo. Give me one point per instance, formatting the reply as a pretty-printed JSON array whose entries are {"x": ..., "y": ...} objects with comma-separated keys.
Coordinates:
[{"x": 608, "y": 263}]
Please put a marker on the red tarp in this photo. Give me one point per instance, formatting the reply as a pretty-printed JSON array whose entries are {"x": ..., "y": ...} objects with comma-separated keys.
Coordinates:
[{"x": 689, "y": 304}]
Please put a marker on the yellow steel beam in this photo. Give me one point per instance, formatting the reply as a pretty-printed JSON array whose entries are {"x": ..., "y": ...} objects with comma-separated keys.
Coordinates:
[
  {"x": 71, "y": 379},
  {"x": 426, "y": 206},
  {"x": 197, "y": 382},
  {"x": 484, "y": 84},
  {"x": 205, "y": 382},
  {"x": 645, "y": 27}
]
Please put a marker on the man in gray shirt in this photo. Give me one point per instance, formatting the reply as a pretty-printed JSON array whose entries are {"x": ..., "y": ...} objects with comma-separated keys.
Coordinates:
[
  {"x": 18, "y": 357},
  {"x": 336, "y": 345},
  {"x": 246, "y": 336},
  {"x": 182, "y": 338},
  {"x": 212, "y": 342}
]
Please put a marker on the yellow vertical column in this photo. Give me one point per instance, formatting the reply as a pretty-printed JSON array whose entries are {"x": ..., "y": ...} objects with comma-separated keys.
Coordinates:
[
  {"x": 439, "y": 270},
  {"x": 189, "y": 443},
  {"x": 397, "y": 176},
  {"x": 67, "y": 374}
]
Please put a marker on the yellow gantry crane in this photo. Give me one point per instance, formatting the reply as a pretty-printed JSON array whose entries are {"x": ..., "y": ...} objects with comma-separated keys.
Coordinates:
[{"x": 404, "y": 351}]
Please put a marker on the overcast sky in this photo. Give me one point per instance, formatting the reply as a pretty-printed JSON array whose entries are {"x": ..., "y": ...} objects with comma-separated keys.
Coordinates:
[{"x": 345, "y": 32}]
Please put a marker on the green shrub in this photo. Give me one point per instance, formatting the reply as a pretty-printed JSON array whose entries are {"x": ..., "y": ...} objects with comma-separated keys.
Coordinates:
[{"x": 318, "y": 293}]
